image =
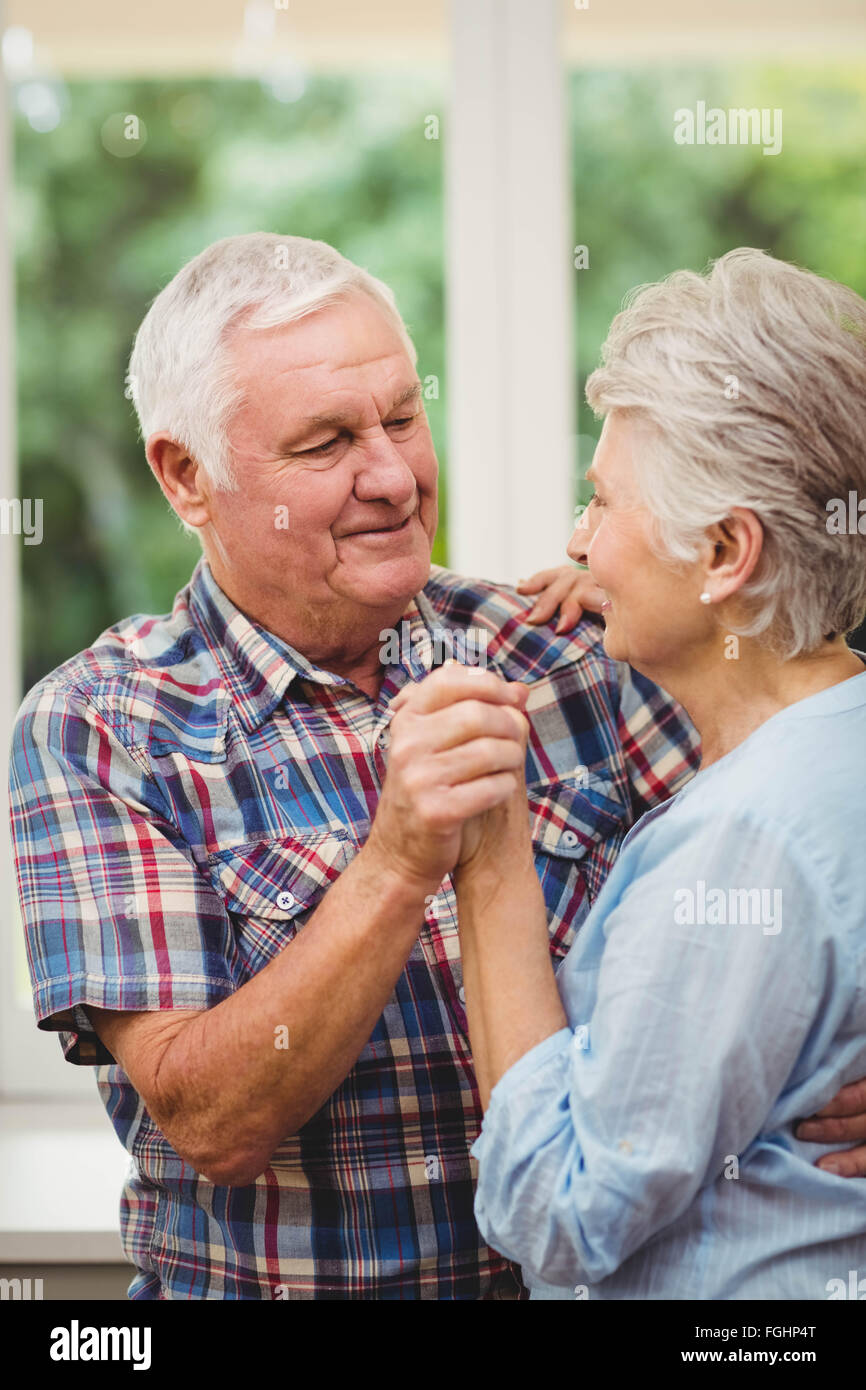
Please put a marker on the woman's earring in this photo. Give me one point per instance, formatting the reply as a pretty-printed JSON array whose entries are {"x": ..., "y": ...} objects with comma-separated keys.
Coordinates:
[{"x": 705, "y": 597}]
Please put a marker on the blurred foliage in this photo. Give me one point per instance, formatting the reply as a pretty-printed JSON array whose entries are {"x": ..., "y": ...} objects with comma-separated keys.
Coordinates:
[
  {"x": 645, "y": 206},
  {"x": 97, "y": 237}
]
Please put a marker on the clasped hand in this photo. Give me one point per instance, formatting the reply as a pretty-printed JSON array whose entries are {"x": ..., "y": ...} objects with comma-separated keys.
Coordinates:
[{"x": 455, "y": 781}]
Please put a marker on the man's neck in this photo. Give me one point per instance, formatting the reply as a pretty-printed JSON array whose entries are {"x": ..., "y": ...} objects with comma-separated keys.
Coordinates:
[
  {"x": 353, "y": 653},
  {"x": 367, "y": 674},
  {"x": 345, "y": 643}
]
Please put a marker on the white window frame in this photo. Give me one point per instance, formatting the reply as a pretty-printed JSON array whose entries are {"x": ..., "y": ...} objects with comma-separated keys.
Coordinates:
[{"x": 511, "y": 431}]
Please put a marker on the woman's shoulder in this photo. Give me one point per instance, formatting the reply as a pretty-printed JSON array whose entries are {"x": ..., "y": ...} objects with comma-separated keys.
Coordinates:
[
  {"x": 789, "y": 801},
  {"x": 805, "y": 762}
]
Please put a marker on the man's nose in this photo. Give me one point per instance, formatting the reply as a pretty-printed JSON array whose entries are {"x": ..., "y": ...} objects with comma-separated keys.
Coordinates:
[{"x": 383, "y": 473}]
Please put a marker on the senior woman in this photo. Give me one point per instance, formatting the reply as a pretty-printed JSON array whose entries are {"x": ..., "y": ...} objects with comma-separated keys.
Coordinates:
[{"x": 639, "y": 1138}]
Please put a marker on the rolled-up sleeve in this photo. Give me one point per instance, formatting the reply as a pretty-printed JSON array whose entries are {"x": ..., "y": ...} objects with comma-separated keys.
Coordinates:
[
  {"x": 115, "y": 911},
  {"x": 604, "y": 1133}
]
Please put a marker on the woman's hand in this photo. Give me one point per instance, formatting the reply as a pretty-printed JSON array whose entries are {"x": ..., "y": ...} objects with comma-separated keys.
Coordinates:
[
  {"x": 497, "y": 835},
  {"x": 573, "y": 591}
]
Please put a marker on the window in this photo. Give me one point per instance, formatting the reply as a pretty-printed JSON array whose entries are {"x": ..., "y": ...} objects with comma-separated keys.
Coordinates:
[
  {"x": 651, "y": 194},
  {"x": 464, "y": 152}
]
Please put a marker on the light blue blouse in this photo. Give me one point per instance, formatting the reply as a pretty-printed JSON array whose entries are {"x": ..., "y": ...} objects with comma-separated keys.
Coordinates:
[{"x": 716, "y": 995}]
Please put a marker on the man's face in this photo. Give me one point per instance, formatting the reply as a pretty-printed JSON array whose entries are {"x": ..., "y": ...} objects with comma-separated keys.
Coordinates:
[{"x": 336, "y": 500}]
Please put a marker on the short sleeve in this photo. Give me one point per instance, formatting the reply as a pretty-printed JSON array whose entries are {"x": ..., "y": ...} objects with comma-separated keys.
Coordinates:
[{"x": 115, "y": 911}]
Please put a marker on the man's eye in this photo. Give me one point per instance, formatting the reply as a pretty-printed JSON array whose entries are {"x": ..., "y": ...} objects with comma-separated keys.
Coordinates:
[
  {"x": 320, "y": 448},
  {"x": 401, "y": 423}
]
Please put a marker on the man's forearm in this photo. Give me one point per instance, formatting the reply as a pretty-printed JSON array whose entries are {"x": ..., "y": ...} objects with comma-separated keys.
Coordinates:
[{"x": 228, "y": 1092}]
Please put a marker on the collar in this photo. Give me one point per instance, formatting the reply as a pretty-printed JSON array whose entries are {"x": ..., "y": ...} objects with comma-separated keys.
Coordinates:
[{"x": 257, "y": 667}]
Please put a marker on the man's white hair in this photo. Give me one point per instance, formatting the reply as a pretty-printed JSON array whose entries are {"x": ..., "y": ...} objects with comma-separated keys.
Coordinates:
[
  {"x": 181, "y": 377},
  {"x": 752, "y": 380}
]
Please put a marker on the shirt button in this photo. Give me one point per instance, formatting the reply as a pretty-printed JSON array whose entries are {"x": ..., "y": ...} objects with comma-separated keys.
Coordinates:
[
  {"x": 569, "y": 838},
  {"x": 461, "y": 994},
  {"x": 285, "y": 901},
  {"x": 383, "y": 739}
]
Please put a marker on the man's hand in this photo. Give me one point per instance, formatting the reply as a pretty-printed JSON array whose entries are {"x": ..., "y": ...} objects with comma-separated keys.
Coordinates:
[
  {"x": 843, "y": 1121},
  {"x": 457, "y": 750},
  {"x": 567, "y": 588}
]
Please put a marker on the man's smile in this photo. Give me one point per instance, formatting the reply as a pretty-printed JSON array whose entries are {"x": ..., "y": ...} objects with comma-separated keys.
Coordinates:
[{"x": 396, "y": 528}]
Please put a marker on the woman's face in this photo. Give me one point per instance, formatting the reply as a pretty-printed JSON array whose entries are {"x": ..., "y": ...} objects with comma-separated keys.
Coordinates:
[{"x": 653, "y": 615}]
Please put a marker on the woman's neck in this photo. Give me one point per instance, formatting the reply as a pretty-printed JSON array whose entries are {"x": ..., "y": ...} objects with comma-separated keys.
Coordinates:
[{"x": 728, "y": 697}]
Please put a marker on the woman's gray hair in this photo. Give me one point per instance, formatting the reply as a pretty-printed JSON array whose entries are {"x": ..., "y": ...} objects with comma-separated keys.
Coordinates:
[
  {"x": 752, "y": 380},
  {"x": 181, "y": 376}
]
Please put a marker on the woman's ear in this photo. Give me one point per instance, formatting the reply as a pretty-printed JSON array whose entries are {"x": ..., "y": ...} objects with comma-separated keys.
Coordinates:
[{"x": 737, "y": 543}]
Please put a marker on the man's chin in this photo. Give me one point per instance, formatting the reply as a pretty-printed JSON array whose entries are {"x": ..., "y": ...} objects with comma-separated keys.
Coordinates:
[{"x": 390, "y": 580}]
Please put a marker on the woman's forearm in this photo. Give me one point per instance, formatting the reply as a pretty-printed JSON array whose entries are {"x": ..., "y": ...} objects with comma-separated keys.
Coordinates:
[
  {"x": 472, "y": 986},
  {"x": 511, "y": 995}
]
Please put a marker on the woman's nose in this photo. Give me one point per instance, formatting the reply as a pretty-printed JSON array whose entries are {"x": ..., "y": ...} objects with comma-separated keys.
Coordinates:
[{"x": 581, "y": 536}]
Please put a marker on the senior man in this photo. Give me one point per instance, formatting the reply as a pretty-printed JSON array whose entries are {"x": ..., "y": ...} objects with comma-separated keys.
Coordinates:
[{"x": 232, "y": 911}]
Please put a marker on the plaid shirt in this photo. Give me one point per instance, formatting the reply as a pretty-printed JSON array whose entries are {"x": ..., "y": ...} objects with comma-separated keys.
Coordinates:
[{"x": 183, "y": 794}]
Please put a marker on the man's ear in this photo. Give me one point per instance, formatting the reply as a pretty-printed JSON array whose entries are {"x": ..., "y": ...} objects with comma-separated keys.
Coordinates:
[
  {"x": 737, "y": 543},
  {"x": 182, "y": 479}
]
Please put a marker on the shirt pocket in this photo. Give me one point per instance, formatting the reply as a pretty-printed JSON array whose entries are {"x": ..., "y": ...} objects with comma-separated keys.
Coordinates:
[
  {"x": 270, "y": 886},
  {"x": 577, "y": 825}
]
